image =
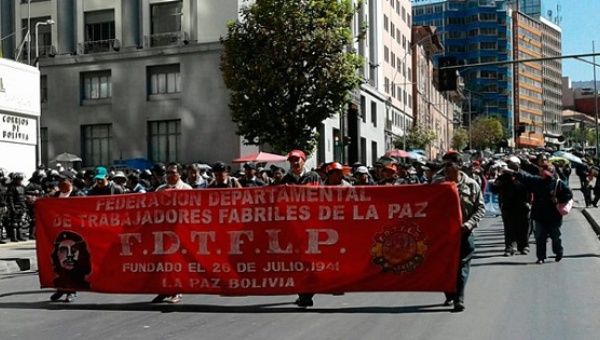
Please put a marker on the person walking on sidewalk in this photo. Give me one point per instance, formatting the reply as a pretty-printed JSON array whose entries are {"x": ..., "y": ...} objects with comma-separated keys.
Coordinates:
[
  {"x": 66, "y": 189},
  {"x": 547, "y": 192}
]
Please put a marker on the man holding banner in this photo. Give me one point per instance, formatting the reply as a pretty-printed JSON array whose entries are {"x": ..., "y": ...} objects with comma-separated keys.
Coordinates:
[{"x": 473, "y": 209}]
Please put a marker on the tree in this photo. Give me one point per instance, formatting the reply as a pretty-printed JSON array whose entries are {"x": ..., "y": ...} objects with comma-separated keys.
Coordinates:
[
  {"x": 486, "y": 132},
  {"x": 288, "y": 69},
  {"x": 418, "y": 137},
  {"x": 460, "y": 139}
]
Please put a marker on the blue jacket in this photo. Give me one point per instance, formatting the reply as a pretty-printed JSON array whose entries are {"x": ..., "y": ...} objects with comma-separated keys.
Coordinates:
[{"x": 543, "y": 208}]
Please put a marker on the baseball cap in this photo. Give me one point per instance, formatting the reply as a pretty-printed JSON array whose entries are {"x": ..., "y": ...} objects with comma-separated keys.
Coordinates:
[
  {"x": 66, "y": 175},
  {"x": 100, "y": 173},
  {"x": 362, "y": 170},
  {"x": 220, "y": 166},
  {"x": 250, "y": 166},
  {"x": 334, "y": 166},
  {"x": 297, "y": 153},
  {"x": 452, "y": 156}
]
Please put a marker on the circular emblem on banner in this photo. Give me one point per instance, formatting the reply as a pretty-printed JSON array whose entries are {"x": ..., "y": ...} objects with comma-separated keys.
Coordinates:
[{"x": 399, "y": 249}]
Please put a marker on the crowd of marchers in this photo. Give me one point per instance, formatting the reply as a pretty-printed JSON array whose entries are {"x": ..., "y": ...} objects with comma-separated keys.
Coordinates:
[{"x": 529, "y": 187}]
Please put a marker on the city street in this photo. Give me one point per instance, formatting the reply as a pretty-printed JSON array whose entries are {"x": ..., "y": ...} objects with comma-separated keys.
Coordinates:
[{"x": 507, "y": 298}]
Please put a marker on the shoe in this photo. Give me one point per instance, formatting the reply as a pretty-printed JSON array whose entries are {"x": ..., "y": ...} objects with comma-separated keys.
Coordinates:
[
  {"x": 70, "y": 297},
  {"x": 558, "y": 257},
  {"x": 159, "y": 298},
  {"x": 2, "y": 242},
  {"x": 458, "y": 307},
  {"x": 509, "y": 252},
  {"x": 32, "y": 237},
  {"x": 304, "y": 302},
  {"x": 448, "y": 302},
  {"x": 174, "y": 298},
  {"x": 539, "y": 261},
  {"x": 524, "y": 251},
  {"x": 56, "y": 296}
]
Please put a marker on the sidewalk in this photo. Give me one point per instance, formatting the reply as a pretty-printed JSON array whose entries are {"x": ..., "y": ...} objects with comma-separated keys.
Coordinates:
[{"x": 17, "y": 256}]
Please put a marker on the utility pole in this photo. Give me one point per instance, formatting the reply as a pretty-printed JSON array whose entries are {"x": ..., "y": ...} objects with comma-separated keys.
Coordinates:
[{"x": 595, "y": 97}]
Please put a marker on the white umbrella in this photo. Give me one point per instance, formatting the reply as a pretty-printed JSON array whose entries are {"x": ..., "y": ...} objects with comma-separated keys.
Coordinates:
[{"x": 66, "y": 157}]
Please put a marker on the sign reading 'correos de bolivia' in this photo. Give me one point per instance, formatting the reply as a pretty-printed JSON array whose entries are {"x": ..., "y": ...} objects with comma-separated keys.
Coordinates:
[{"x": 17, "y": 129}]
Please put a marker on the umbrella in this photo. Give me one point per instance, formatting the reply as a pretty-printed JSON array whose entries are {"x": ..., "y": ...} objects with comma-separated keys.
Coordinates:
[
  {"x": 261, "y": 157},
  {"x": 568, "y": 156},
  {"x": 396, "y": 153},
  {"x": 559, "y": 160},
  {"x": 416, "y": 156},
  {"x": 67, "y": 158}
]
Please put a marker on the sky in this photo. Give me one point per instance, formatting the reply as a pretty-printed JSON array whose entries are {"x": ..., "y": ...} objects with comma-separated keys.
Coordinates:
[{"x": 580, "y": 26}]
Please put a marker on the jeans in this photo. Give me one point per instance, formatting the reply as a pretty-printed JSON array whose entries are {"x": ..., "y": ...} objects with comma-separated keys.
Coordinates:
[
  {"x": 543, "y": 230},
  {"x": 467, "y": 248}
]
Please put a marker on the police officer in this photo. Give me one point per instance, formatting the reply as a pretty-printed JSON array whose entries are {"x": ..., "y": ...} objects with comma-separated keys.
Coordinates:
[
  {"x": 3, "y": 206},
  {"x": 33, "y": 191},
  {"x": 473, "y": 209},
  {"x": 17, "y": 206}
]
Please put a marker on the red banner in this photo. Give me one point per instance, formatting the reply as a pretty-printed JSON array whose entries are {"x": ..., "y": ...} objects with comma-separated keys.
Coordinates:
[{"x": 255, "y": 241}]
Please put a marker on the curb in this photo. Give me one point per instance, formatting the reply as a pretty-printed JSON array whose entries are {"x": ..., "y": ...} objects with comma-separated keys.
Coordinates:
[
  {"x": 12, "y": 261},
  {"x": 591, "y": 221}
]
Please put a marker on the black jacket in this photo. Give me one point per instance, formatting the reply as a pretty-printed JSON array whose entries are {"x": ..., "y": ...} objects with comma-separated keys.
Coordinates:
[
  {"x": 543, "y": 208},
  {"x": 513, "y": 194}
]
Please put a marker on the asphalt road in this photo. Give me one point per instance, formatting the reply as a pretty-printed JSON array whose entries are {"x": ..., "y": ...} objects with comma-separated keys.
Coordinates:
[{"x": 507, "y": 298}]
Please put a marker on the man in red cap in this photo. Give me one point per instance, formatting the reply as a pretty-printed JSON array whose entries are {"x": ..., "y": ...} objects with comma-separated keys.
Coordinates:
[
  {"x": 297, "y": 173},
  {"x": 472, "y": 207},
  {"x": 335, "y": 175},
  {"x": 299, "y": 176}
]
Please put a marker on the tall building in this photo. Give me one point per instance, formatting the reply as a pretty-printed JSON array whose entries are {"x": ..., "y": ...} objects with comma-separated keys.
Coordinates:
[
  {"x": 476, "y": 31},
  {"x": 528, "y": 81},
  {"x": 126, "y": 79},
  {"x": 552, "y": 81}
]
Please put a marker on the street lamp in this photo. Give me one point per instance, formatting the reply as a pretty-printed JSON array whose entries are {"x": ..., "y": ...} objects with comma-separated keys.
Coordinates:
[
  {"x": 37, "y": 64},
  {"x": 37, "y": 41}
]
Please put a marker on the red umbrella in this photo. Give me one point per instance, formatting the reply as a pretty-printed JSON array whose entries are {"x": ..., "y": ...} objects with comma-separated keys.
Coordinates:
[
  {"x": 396, "y": 153},
  {"x": 261, "y": 157}
]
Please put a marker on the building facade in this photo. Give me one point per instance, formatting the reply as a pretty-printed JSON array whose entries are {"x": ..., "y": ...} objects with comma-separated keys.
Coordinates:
[
  {"x": 433, "y": 110},
  {"x": 476, "y": 31},
  {"x": 552, "y": 81},
  {"x": 126, "y": 79},
  {"x": 528, "y": 81}
]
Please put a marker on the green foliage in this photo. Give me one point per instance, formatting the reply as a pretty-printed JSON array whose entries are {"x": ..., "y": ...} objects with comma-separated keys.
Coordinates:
[
  {"x": 486, "y": 132},
  {"x": 287, "y": 67},
  {"x": 583, "y": 137},
  {"x": 460, "y": 139},
  {"x": 418, "y": 137}
]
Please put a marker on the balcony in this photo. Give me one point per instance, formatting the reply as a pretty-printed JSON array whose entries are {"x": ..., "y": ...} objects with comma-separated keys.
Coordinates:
[
  {"x": 99, "y": 46},
  {"x": 166, "y": 39}
]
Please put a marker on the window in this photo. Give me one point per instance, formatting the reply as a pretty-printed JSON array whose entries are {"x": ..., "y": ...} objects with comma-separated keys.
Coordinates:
[
  {"x": 99, "y": 31},
  {"x": 44, "y": 145},
  {"x": 44, "y": 89},
  {"x": 374, "y": 152},
  {"x": 393, "y": 30},
  {"x": 95, "y": 144},
  {"x": 96, "y": 85},
  {"x": 386, "y": 85},
  {"x": 386, "y": 54},
  {"x": 374, "y": 113},
  {"x": 385, "y": 23},
  {"x": 164, "y": 79},
  {"x": 165, "y": 28},
  {"x": 363, "y": 108},
  {"x": 164, "y": 140},
  {"x": 393, "y": 60},
  {"x": 363, "y": 150}
]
